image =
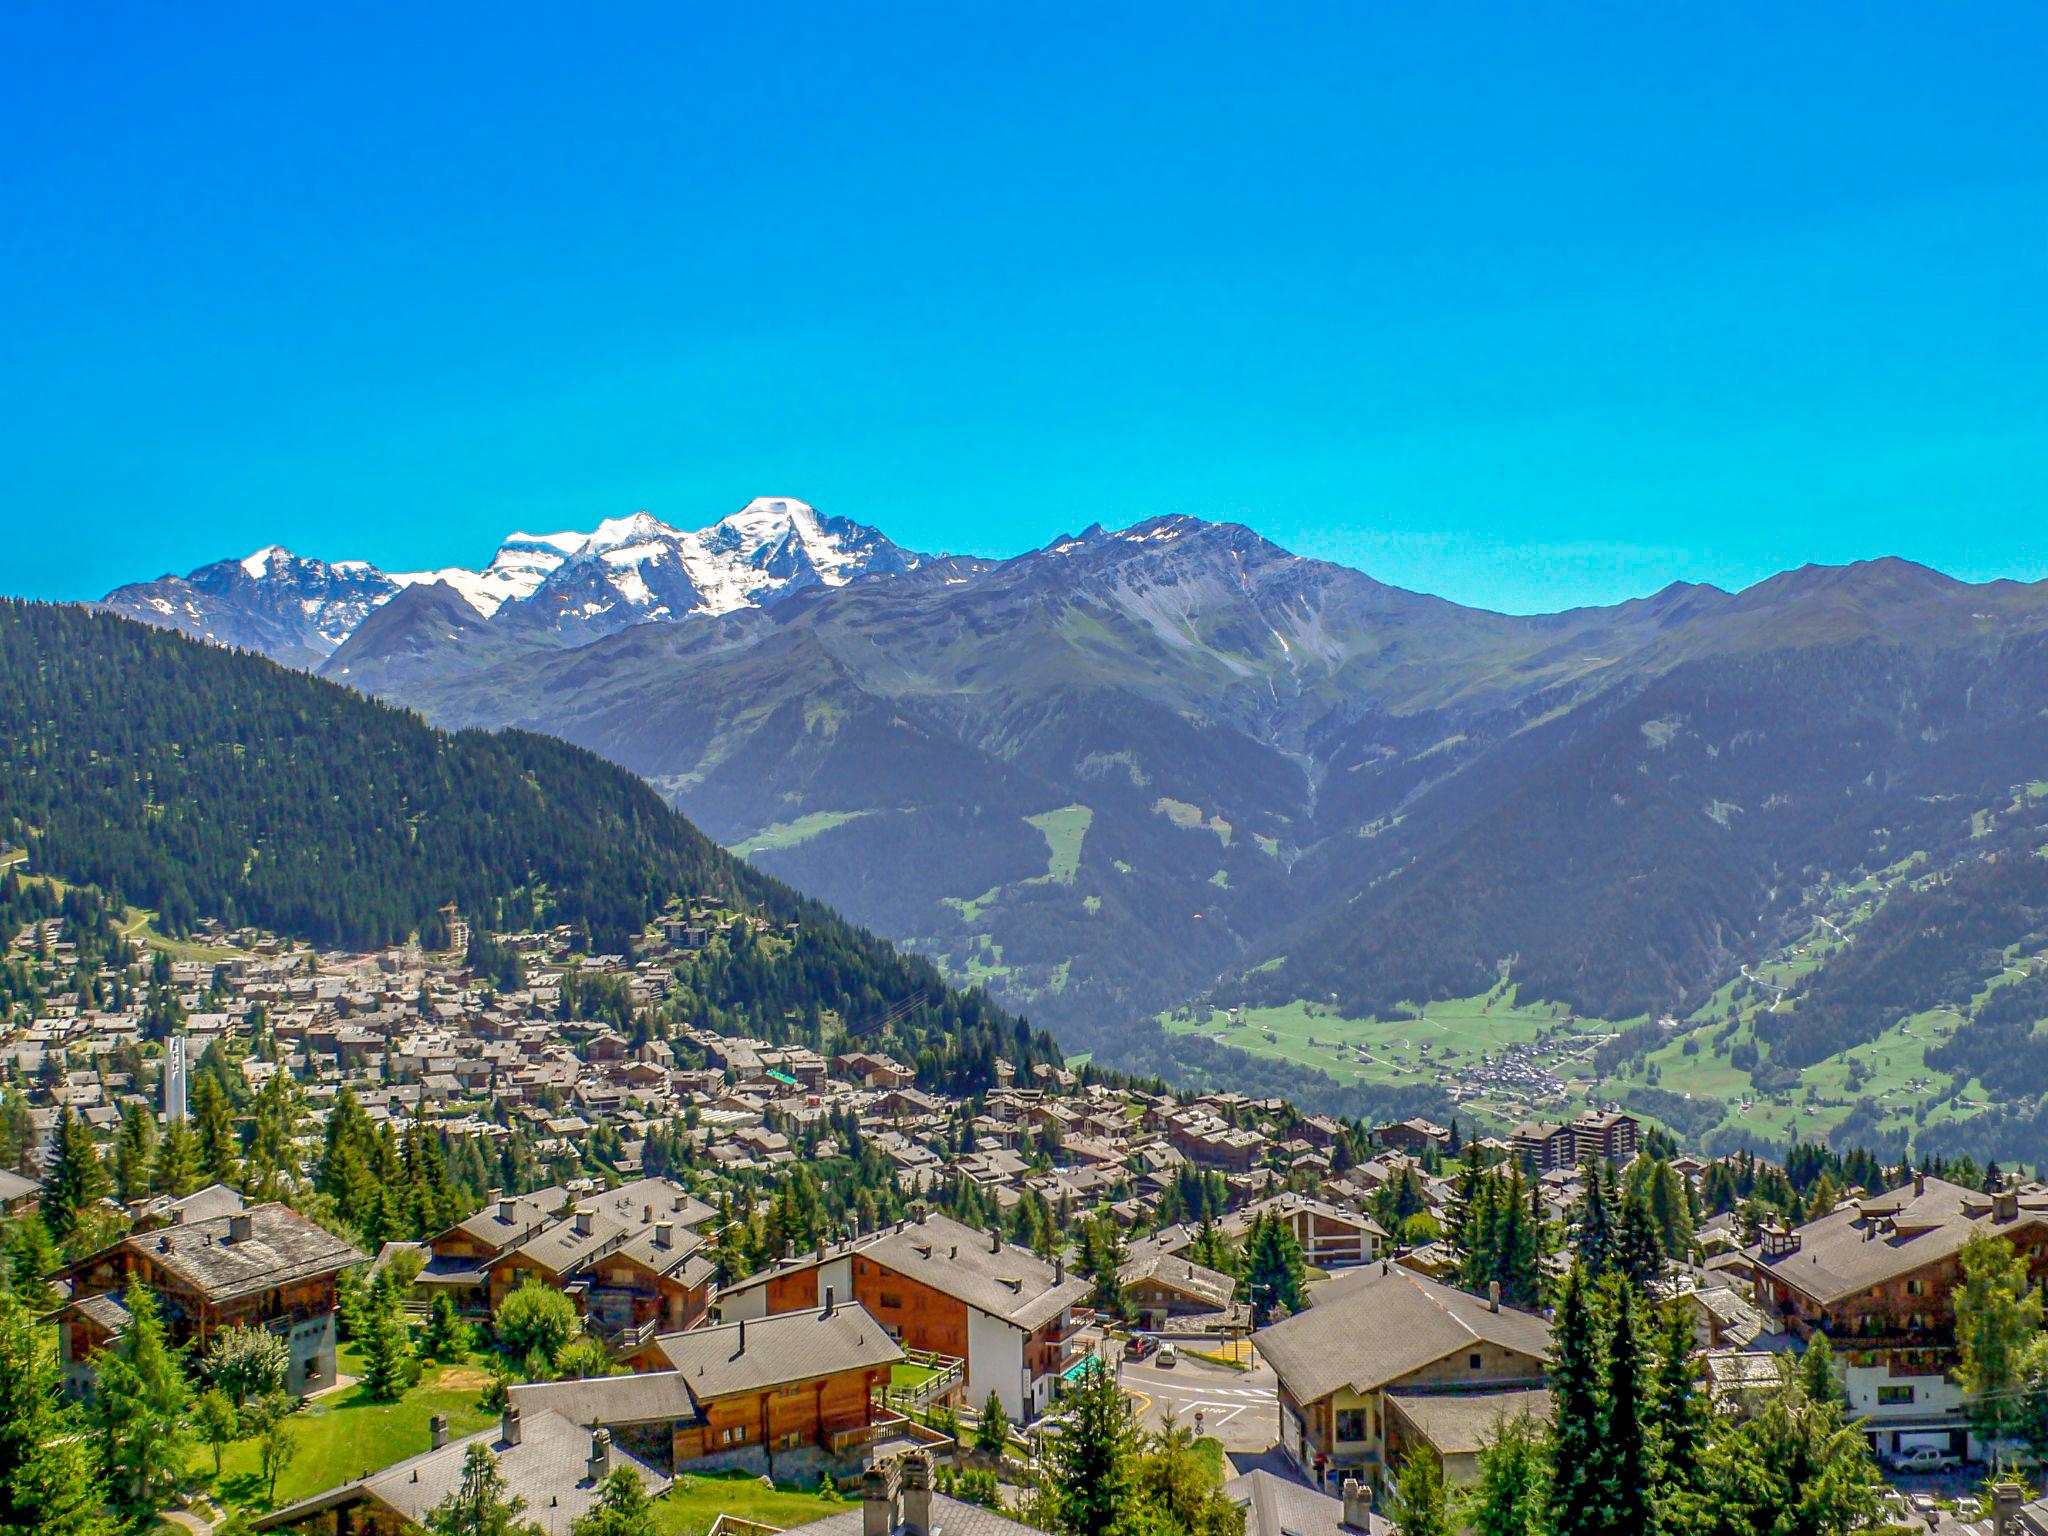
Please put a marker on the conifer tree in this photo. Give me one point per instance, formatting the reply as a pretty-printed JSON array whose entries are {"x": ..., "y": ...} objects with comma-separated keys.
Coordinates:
[
  {"x": 1092, "y": 1459},
  {"x": 177, "y": 1160},
  {"x": 220, "y": 1156},
  {"x": 1595, "y": 1219},
  {"x": 139, "y": 1408},
  {"x": 50, "y": 1484},
  {"x": 1578, "y": 1496},
  {"x": 1623, "y": 1447},
  {"x": 134, "y": 1153},
  {"x": 78, "y": 1180}
]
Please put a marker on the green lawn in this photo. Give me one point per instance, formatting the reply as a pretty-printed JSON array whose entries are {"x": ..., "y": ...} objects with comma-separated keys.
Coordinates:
[
  {"x": 906, "y": 1376},
  {"x": 787, "y": 834},
  {"x": 346, "y": 1435},
  {"x": 689, "y": 1508},
  {"x": 1063, "y": 830}
]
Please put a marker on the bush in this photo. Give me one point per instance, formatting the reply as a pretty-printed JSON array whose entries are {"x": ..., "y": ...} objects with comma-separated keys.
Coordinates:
[{"x": 535, "y": 1320}]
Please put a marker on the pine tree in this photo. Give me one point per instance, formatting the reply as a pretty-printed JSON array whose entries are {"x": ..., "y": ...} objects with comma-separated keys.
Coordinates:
[
  {"x": 1638, "y": 1242},
  {"x": 139, "y": 1408},
  {"x": 134, "y": 1153},
  {"x": 1511, "y": 1496},
  {"x": 1680, "y": 1414},
  {"x": 622, "y": 1508},
  {"x": 1420, "y": 1505},
  {"x": 219, "y": 1152},
  {"x": 1578, "y": 1394},
  {"x": 1623, "y": 1447},
  {"x": 177, "y": 1160},
  {"x": 78, "y": 1180},
  {"x": 1092, "y": 1459},
  {"x": 1275, "y": 1275},
  {"x": 49, "y": 1482},
  {"x": 1595, "y": 1219}
]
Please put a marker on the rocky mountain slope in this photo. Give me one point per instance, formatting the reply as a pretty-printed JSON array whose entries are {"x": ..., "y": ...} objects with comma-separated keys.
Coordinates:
[{"x": 1135, "y": 767}]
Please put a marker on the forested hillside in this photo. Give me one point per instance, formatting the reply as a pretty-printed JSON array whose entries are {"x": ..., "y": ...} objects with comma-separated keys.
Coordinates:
[{"x": 203, "y": 782}]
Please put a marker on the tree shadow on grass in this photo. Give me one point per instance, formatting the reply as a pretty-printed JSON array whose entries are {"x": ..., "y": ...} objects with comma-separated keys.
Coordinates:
[{"x": 244, "y": 1489}]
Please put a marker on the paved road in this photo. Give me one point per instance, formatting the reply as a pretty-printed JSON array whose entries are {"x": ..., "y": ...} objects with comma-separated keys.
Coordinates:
[{"x": 1240, "y": 1408}]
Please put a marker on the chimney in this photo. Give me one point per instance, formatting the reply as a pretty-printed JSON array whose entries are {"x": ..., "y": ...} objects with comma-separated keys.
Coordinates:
[
  {"x": 917, "y": 1493},
  {"x": 1919, "y": 1183},
  {"x": 437, "y": 1427},
  {"x": 511, "y": 1431},
  {"x": 1493, "y": 1295},
  {"x": 995, "y": 1241},
  {"x": 831, "y": 1301},
  {"x": 1059, "y": 1269},
  {"x": 743, "y": 1338},
  {"x": 646, "y": 1214},
  {"x": 664, "y": 1234},
  {"x": 241, "y": 1227},
  {"x": 507, "y": 1209},
  {"x": 1357, "y": 1505},
  {"x": 600, "y": 1464},
  {"x": 680, "y": 1202},
  {"x": 878, "y": 1499},
  {"x": 789, "y": 1250},
  {"x": 2006, "y": 1499},
  {"x": 583, "y": 1221},
  {"x": 2005, "y": 1205}
]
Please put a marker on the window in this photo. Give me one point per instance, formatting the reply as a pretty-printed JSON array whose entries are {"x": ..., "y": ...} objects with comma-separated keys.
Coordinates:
[
  {"x": 1889, "y": 1396},
  {"x": 890, "y": 1299},
  {"x": 1916, "y": 1287},
  {"x": 1474, "y": 1361},
  {"x": 737, "y": 1435},
  {"x": 1351, "y": 1424}
]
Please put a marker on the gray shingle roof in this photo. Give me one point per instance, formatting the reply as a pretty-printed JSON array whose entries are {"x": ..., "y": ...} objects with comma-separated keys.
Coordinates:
[
  {"x": 653, "y": 1397},
  {"x": 1279, "y": 1506},
  {"x": 1459, "y": 1423},
  {"x": 771, "y": 1351},
  {"x": 1378, "y": 1324},
  {"x": 953, "y": 1516},
  {"x": 1867, "y": 1243},
  {"x": 548, "y": 1469},
  {"x": 282, "y": 1247},
  {"x": 1012, "y": 1283}
]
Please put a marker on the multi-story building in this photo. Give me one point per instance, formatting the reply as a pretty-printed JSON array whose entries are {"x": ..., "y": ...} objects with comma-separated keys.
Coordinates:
[
  {"x": 1361, "y": 1369},
  {"x": 940, "y": 1286},
  {"x": 264, "y": 1267},
  {"x": 1878, "y": 1276}
]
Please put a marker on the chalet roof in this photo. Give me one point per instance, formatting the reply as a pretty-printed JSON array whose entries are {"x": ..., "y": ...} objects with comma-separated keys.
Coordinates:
[
  {"x": 282, "y": 1247},
  {"x": 1863, "y": 1244},
  {"x": 1280, "y": 1506},
  {"x": 14, "y": 1186},
  {"x": 1011, "y": 1282},
  {"x": 504, "y": 1222},
  {"x": 548, "y": 1468},
  {"x": 771, "y": 1351},
  {"x": 1209, "y": 1286},
  {"x": 954, "y": 1516},
  {"x": 652, "y": 1397},
  {"x": 1379, "y": 1324},
  {"x": 569, "y": 1243},
  {"x": 1460, "y": 1423}
]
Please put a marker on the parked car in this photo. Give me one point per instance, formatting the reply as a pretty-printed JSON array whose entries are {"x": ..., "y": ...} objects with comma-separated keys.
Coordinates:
[
  {"x": 1139, "y": 1345},
  {"x": 1925, "y": 1459},
  {"x": 1168, "y": 1355}
]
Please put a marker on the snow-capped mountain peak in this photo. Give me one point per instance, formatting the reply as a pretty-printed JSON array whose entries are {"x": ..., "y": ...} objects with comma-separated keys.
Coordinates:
[{"x": 627, "y": 570}]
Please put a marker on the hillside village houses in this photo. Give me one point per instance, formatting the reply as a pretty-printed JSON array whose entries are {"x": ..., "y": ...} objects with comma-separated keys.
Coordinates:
[{"x": 788, "y": 1370}]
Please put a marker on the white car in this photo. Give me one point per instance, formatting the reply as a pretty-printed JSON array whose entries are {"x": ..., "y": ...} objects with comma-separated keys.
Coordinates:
[
  {"x": 1925, "y": 1459},
  {"x": 1168, "y": 1355}
]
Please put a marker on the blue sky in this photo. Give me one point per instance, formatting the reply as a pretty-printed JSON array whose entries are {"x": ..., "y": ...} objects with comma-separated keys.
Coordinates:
[{"x": 1526, "y": 304}]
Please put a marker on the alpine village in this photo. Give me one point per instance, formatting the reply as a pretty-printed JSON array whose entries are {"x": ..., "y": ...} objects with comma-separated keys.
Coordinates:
[{"x": 488, "y": 1152}]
